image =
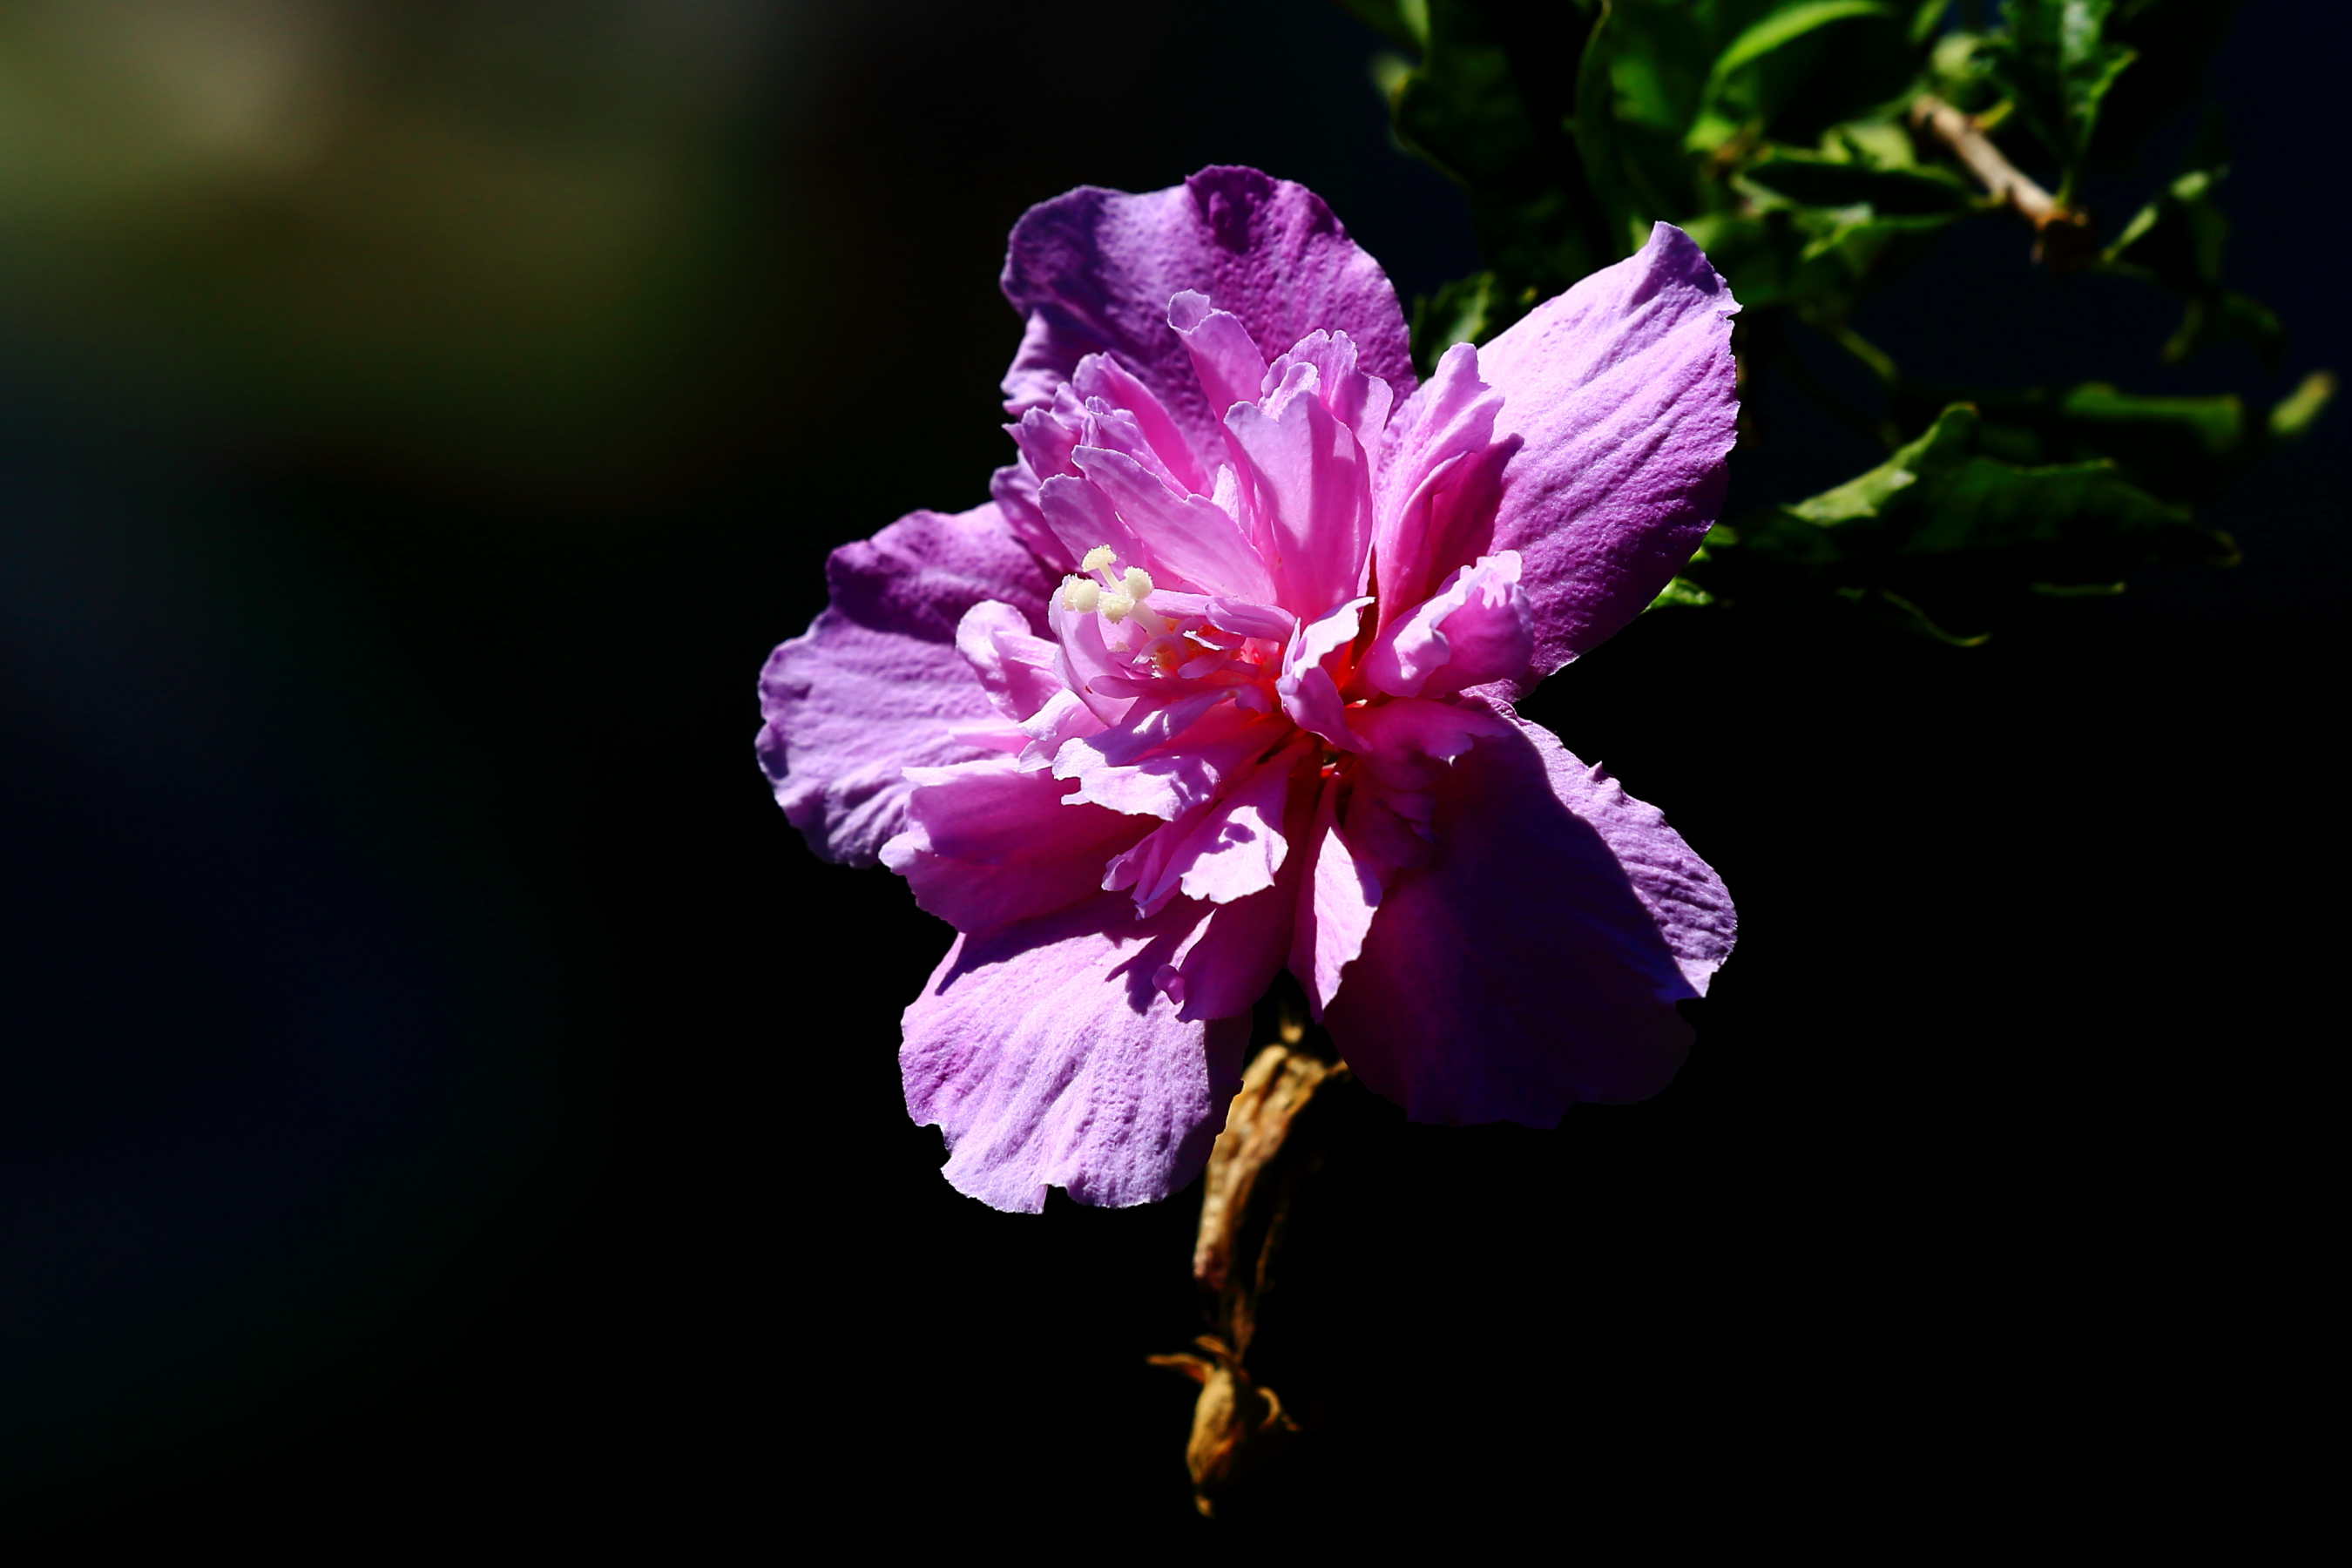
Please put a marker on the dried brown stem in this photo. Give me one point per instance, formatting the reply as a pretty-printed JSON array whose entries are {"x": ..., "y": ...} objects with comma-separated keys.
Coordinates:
[
  {"x": 2063, "y": 235},
  {"x": 1241, "y": 1433}
]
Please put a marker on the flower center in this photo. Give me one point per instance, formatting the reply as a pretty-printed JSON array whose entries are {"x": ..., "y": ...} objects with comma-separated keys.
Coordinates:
[
  {"x": 1171, "y": 639},
  {"x": 1115, "y": 599}
]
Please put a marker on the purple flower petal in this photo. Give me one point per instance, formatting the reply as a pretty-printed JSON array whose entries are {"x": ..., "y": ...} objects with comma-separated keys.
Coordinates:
[
  {"x": 1094, "y": 270},
  {"x": 1356, "y": 399},
  {"x": 1309, "y": 696},
  {"x": 1230, "y": 365},
  {"x": 1099, "y": 375},
  {"x": 1338, "y": 895},
  {"x": 1226, "y": 964},
  {"x": 1166, "y": 781},
  {"x": 875, "y": 684},
  {"x": 1238, "y": 846},
  {"x": 1185, "y": 539},
  {"x": 1620, "y": 392},
  {"x": 1134, "y": 823},
  {"x": 1014, "y": 489},
  {"x": 1048, "y": 1055},
  {"x": 1535, "y": 960},
  {"x": 1311, "y": 493},
  {"x": 988, "y": 843},
  {"x": 1477, "y": 627},
  {"x": 1015, "y": 667},
  {"x": 1440, "y": 476}
]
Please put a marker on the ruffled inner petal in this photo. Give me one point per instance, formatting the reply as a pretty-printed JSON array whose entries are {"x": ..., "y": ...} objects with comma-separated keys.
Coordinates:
[
  {"x": 987, "y": 843},
  {"x": 1186, "y": 539},
  {"x": 1440, "y": 471},
  {"x": 1337, "y": 897},
  {"x": 1086, "y": 665},
  {"x": 1102, "y": 376},
  {"x": 1015, "y": 666},
  {"x": 1225, "y": 966},
  {"x": 1238, "y": 846},
  {"x": 1357, "y": 400},
  {"x": 1166, "y": 781},
  {"x": 1083, "y": 518},
  {"x": 1309, "y": 691},
  {"x": 1478, "y": 626},
  {"x": 1309, "y": 493},
  {"x": 1230, "y": 367}
]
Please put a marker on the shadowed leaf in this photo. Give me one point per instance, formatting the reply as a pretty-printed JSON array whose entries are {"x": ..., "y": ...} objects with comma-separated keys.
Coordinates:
[{"x": 1942, "y": 538}]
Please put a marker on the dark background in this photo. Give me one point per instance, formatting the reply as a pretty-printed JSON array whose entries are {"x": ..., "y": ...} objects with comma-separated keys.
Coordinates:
[{"x": 442, "y": 1103}]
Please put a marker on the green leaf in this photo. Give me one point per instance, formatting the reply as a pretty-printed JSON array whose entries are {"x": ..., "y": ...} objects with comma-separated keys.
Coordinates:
[
  {"x": 1810, "y": 180},
  {"x": 2294, "y": 414},
  {"x": 1877, "y": 144},
  {"x": 1658, "y": 59},
  {"x": 1814, "y": 260},
  {"x": 1886, "y": 607},
  {"x": 2179, "y": 449},
  {"x": 1466, "y": 110},
  {"x": 1776, "y": 133},
  {"x": 2229, "y": 315},
  {"x": 1943, "y": 538},
  {"x": 2058, "y": 65},
  {"x": 1859, "y": 237},
  {"x": 2216, "y": 426},
  {"x": 1816, "y": 61},
  {"x": 1599, "y": 148},
  {"x": 1681, "y": 593},
  {"x": 1926, "y": 19},
  {"x": 1638, "y": 85},
  {"x": 1783, "y": 26},
  {"x": 1869, "y": 494},
  {"x": 2176, "y": 241}
]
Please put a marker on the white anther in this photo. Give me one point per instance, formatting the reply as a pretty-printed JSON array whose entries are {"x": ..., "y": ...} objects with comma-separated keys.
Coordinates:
[
  {"x": 1100, "y": 556},
  {"x": 1080, "y": 594},
  {"x": 1115, "y": 606},
  {"x": 1138, "y": 583}
]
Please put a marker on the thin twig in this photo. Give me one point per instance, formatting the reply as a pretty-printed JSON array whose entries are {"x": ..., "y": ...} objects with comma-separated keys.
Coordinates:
[{"x": 2063, "y": 235}]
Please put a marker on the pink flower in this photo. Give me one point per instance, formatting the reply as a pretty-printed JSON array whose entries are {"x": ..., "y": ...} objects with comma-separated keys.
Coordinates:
[{"x": 1222, "y": 681}]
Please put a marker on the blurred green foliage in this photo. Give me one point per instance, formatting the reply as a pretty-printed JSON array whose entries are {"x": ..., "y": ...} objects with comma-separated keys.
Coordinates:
[
  {"x": 483, "y": 236},
  {"x": 1796, "y": 141}
]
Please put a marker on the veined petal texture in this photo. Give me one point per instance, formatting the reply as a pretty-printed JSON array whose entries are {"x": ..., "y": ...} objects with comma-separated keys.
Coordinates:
[
  {"x": 1048, "y": 1055},
  {"x": 1620, "y": 394},
  {"x": 876, "y": 683},
  {"x": 1094, "y": 270}
]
